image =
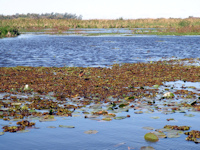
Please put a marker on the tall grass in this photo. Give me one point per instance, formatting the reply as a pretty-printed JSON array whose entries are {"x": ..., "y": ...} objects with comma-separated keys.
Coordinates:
[
  {"x": 72, "y": 23},
  {"x": 63, "y": 24},
  {"x": 8, "y": 32}
]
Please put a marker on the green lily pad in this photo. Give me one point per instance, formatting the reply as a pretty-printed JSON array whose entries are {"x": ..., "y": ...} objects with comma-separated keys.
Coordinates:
[
  {"x": 173, "y": 135},
  {"x": 1, "y": 133},
  {"x": 46, "y": 120},
  {"x": 147, "y": 148},
  {"x": 148, "y": 128},
  {"x": 155, "y": 117},
  {"x": 91, "y": 132},
  {"x": 23, "y": 131},
  {"x": 160, "y": 134},
  {"x": 151, "y": 137},
  {"x": 189, "y": 115},
  {"x": 63, "y": 126},
  {"x": 107, "y": 119},
  {"x": 120, "y": 117},
  {"x": 138, "y": 112}
]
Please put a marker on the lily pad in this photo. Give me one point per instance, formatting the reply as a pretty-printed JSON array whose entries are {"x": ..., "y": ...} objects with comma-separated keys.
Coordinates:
[
  {"x": 160, "y": 134},
  {"x": 155, "y": 117},
  {"x": 148, "y": 128},
  {"x": 138, "y": 112},
  {"x": 189, "y": 115},
  {"x": 46, "y": 120},
  {"x": 1, "y": 133},
  {"x": 173, "y": 135},
  {"x": 120, "y": 117},
  {"x": 151, "y": 137},
  {"x": 91, "y": 132},
  {"x": 147, "y": 148},
  {"x": 107, "y": 119},
  {"x": 23, "y": 131},
  {"x": 64, "y": 126}
]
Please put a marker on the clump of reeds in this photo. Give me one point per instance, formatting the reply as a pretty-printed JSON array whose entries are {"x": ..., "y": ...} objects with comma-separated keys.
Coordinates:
[{"x": 8, "y": 32}]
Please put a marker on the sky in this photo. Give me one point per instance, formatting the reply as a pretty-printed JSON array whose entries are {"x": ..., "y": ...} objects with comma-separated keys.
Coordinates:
[{"x": 105, "y": 9}]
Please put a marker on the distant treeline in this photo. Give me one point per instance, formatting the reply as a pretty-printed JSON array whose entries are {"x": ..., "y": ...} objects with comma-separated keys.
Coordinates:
[{"x": 42, "y": 16}]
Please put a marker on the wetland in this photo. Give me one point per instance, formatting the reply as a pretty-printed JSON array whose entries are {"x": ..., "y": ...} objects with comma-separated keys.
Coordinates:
[{"x": 99, "y": 92}]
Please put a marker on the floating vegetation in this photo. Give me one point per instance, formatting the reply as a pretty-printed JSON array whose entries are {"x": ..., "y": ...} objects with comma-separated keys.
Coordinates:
[
  {"x": 100, "y": 94},
  {"x": 151, "y": 137},
  {"x": 183, "y": 128},
  {"x": 22, "y": 125},
  {"x": 193, "y": 135},
  {"x": 91, "y": 132},
  {"x": 64, "y": 126}
]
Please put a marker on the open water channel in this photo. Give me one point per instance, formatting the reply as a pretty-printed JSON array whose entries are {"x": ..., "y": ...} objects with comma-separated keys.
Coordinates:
[{"x": 93, "y": 51}]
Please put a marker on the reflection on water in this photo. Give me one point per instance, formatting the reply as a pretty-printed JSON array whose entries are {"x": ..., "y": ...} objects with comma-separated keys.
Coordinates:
[{"x": 63, "y": 50}]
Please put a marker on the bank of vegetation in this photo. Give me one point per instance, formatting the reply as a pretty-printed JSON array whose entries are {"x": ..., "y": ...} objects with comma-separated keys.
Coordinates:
[
  {"x": 171, "y": 26},
  {"x": 8, "y": 32}
]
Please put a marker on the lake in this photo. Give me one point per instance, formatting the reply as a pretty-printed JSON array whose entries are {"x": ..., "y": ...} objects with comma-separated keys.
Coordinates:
[
  {"x": 125, "y": 133},
  {"x": 93, "y": 51}
]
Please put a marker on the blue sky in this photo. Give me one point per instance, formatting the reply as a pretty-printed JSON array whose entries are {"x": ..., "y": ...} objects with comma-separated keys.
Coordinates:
[{"x": 106, "y": 9}]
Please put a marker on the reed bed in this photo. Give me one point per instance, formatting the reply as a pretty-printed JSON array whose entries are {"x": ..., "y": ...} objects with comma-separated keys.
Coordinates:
[{"x": 73, "y": 23}]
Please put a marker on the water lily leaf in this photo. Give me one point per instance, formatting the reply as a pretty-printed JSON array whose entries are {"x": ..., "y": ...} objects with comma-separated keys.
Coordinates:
[
  {"x": 173, "y": 135},
  {"x": 23, "y": 131},
  {"x": 1, "y": 133},
  {"x": 170, "y": 119},
  {"x": 91, "y": 132},
  {"x": 189, "y": 115},
  {"x": 151, "y": 137},
  {"x": 148, "y": 128},
  {"x": 138, "y": 112},
  {"x": 155, "y": 117},
  {"x": 123, "y": 105},
  {"x": 64, "y": 126},
  {"x": 160, "y": 134},
  {"x": 147, "y": 148},
  {"x": 120, "y": 117},
  {"x": 46, "y": 120},
  {"x": 107, "y": 119}
]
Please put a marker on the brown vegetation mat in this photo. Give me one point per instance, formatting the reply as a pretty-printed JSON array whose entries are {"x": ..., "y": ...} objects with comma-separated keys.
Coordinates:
[{"x": 118, "y": 81}]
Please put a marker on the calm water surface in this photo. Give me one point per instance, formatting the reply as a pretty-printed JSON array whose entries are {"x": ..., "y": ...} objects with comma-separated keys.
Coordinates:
[{"x": 55, "y": 50}]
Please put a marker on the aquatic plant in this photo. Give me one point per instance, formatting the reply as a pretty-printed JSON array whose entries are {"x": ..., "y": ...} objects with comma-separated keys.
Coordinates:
[{"x": 8, "y": 32}]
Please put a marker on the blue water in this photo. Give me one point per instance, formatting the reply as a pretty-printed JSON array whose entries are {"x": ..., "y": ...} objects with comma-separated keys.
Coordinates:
[{"x": 93, "y": 51}]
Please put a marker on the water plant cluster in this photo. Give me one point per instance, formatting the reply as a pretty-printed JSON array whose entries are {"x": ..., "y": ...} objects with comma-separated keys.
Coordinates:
[
  {"x": 100, "y": 94},
  {"x": 8, "y": 32}
]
